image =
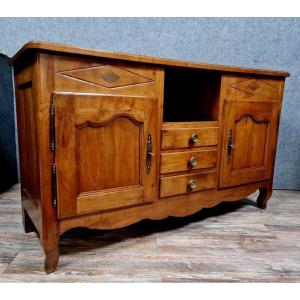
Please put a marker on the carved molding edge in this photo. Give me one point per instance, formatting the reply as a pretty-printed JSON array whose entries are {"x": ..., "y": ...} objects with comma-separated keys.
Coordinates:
[
  {"x": 100, "y": 220},
  {"x": 109, "y": 121},
  {"x": 253, "y": 118}
]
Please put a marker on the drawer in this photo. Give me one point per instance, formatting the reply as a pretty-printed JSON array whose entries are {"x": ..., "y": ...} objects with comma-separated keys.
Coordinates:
[
  {"x": 189, "y": 137},
  {"x": 182, "y": 184},
  {"x": 242, "y": 87},
  {"x": 83, "y": 75},
  {"x": 187, "y": 160}
]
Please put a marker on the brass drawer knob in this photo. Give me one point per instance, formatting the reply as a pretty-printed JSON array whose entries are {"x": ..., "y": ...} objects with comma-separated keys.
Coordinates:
[
  {"x": 193, "y": 161},
  {"x": 192, "y": 184},
  {"x": 194, "y": 138}
]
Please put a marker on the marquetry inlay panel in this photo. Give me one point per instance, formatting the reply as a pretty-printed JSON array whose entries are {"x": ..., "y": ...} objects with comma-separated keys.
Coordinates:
[
  {"x": 254, "y": 87},
  {"x": 88, "y": 76},
  {"x": 106, "y": 76},
  {"x": 259, "y": 88}
]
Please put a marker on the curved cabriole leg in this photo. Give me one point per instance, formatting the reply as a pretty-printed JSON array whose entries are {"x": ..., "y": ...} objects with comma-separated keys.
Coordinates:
[
  {"x": 51, "y": 257},
  {"x": 265, "y": 194},
  {"x": 27, "y": 223}
]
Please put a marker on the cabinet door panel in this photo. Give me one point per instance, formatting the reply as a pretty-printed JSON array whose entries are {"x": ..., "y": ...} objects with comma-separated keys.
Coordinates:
[
  {"x": 250, "y": 145},
  {"x": 99, "y": 168},
  {"x": 249, "y": 141},
  {"x": 101, "y": 152}
]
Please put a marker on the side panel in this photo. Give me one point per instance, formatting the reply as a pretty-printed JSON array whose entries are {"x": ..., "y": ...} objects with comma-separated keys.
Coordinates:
[{"x": 27, "y": 126}]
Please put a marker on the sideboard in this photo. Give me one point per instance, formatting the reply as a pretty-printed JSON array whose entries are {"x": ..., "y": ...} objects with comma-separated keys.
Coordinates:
[{"x": 108, "y": 139}]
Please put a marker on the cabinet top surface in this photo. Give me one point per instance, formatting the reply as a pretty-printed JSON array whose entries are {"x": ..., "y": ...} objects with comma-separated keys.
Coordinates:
[{"x": 54, "y": 48}]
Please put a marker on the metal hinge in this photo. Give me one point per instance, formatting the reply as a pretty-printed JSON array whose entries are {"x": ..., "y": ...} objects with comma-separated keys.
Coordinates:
[
  {"x": 54, "y": 185},
  {"x": 52, "y": 127}
]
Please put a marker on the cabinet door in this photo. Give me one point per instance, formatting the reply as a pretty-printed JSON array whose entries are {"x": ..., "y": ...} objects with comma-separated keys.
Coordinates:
[
  {"x": 103, "y": 146},
  {"x": 249, "y": 141}
]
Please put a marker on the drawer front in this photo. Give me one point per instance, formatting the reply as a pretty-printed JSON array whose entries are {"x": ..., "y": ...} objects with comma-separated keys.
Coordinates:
[
  {"x": 189, "y": 137},
  {"x": 83, "y": 75},
  {"x": 187, "y": 160},
  {"x": 253, "y": 88},
  {"x": 182, "y": 184}
]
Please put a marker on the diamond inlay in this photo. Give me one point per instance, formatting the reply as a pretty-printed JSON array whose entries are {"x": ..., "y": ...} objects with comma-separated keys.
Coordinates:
[
  {"x": 107, "y": 76},
  {"x": 110, "y": 77},
  {"x": 253, "y": 87}
]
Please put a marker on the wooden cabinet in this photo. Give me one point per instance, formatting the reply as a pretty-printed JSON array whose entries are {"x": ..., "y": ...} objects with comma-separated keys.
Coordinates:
[{"x": 109, "y": 139}]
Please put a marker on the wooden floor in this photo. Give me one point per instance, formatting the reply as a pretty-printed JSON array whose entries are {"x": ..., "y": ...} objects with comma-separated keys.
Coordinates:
[{"x": 234, "y": 242}]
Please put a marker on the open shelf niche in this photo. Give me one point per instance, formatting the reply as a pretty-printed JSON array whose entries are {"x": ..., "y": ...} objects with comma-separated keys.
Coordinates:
[{"x": 191, "y": 95}]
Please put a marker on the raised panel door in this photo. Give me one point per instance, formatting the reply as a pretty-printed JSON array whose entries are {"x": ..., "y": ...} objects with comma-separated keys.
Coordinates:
[
  {"x": 102, "y": 157},
  {"x": 249, "y": 141}
]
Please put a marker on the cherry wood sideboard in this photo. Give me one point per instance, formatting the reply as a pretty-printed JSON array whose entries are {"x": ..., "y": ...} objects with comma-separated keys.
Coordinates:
[{"x": 108, "y": 139}]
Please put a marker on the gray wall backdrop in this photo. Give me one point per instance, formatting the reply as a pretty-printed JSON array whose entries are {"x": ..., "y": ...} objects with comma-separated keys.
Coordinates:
[{"x": 272, "y": 43}]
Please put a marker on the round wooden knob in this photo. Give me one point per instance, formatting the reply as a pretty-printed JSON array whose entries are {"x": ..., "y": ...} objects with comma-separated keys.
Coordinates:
[
  {"x": 194, "y": 138},
  {"x": 193, "y": 162},
  {"x": 192, "y": 184}
]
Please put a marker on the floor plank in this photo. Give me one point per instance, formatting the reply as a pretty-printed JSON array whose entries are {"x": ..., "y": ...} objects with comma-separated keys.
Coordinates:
[{"x": 233, "y": 242}]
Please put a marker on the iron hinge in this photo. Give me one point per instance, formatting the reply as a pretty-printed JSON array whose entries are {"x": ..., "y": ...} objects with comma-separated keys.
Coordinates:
[
  {"x": 52, "y": 127},
  {"x": 54, "y": 186}
]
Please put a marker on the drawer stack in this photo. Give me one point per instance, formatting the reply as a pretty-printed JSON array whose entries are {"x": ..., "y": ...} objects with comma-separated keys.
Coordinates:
[{"x": 188, "y": 158}]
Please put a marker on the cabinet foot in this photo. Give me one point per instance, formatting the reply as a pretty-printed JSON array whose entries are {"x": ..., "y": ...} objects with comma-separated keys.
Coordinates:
[
  {"x": 263, "y": 197},
  {"x": 27, "y": 223},
  {"x": 51, "y": 260}
]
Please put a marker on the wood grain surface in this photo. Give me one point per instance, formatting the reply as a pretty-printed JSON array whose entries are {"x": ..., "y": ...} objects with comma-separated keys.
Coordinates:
[
  {"x": 60, "y": 49},
  {"x": 233, "y": 242}
]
